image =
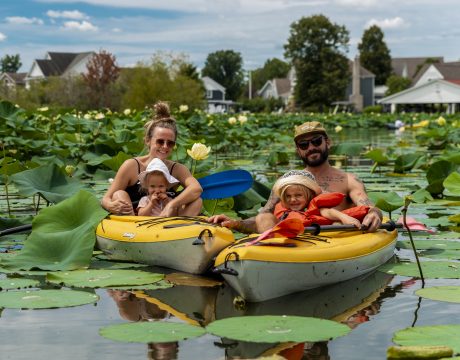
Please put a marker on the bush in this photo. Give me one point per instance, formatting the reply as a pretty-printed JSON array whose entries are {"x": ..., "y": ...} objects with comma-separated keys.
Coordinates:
[{"x": 376, "y": 109}]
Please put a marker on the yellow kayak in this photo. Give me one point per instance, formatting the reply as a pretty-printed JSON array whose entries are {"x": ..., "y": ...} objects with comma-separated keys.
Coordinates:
[
  {"x": 183, "y": 243},
  {"x": 279, "y": 266}
]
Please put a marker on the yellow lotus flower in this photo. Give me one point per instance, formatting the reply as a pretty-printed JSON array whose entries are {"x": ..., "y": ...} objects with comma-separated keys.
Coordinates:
[
  {"x": 45, "y": 108},
  {"x": 338, "y": 129},
  {"x": 183, "y": 108},
  {"x": 127, "y": 112},
  {"x": 402, "y": 129},
  {"x": 87, "y": 116},
  {"x": 99, "y": 116},
  {"x": 441, "y": 121},
  {"x": 232, "y": 121},
  {"x": 199, "y": 151},
  {"x": 242, "y": 119},
  {"x": 69, "y": 169}
]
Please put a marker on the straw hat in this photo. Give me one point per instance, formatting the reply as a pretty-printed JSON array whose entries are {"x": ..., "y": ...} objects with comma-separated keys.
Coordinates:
[
  {"x": 158, "y": 165},
  {"x": 309, "y": 127},
  {"x": 306, "y": 179}
]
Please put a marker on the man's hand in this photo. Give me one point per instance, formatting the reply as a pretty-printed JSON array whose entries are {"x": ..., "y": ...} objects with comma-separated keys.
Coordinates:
[{"x": 372, "y": 220}]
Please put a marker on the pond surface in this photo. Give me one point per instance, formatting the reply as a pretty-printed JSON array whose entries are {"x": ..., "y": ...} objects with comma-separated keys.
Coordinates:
[{"x": 374, "y": 306}]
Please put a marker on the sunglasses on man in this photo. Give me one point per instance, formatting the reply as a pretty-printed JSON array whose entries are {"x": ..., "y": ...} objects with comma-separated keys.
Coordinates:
[
  {"x": 304, "y": 144},
  {"x": 163, "y": 142}
]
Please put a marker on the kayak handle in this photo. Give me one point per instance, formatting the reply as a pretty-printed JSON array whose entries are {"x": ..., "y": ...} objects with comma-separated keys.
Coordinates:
[
  {"x": 205, "y": 236},
  {"x": 226, "y": 270}
]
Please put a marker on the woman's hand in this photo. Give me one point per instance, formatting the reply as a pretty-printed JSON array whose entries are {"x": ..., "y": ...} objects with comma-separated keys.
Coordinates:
[
  {"x": 170, "y": 210},
  {"x": 121, "y": 207}
]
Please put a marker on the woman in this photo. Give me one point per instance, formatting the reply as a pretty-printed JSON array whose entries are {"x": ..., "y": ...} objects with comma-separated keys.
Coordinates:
[{"x": 160, "y": 139}]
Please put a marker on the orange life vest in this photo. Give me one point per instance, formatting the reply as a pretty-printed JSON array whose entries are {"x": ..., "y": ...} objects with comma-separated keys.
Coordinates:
[{"x": 311, "y": 215}]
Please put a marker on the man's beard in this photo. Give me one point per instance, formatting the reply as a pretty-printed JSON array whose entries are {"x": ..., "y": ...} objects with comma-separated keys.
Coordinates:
[{"x": 317, "y": 162}]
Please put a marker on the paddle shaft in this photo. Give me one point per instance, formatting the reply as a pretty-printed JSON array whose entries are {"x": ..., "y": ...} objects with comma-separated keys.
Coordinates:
[
  {"x": 315, "y": 230},
  {"x": 16, "y": 229}
]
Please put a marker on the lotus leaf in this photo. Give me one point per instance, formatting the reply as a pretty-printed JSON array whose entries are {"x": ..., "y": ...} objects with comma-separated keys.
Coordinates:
[
  {"x": 274, "y": 329},
  {"x": 147, "y": 332},
  {"x": 112, "y": 265},
  {"x": 437, "y": 335},
  {"x": 430, "y": 244},
  {"x": 63, "y": 236},
  {"x": 378, "y": 156},
  {"x": 431, "y": 269},
  {"x": 48, "y": 181},
  {"x": 452, "y": 184},
  {"x": 115, "y": 162},
  {"x": 441, "y": 293},
  {"x": 436, "y": 174},
  {"x": 455, "y": 219},
  {"x": 95, "y": 159},
  {"x": 421, "y": 196},
  {"x": 8, "y": 111},
  {"x": 17, "y": 283},
  {"x": 389, "y": 201},
  {"x": 45, "y": 299},
  {"x": 349, "y": 149},
  {"x": 103, "y": 278},
  {"x": 247, "y": 200},
  {"x": 406, "y": 162}
]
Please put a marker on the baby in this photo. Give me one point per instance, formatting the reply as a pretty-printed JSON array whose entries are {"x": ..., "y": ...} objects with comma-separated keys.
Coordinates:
[
  {"x": 155, "y": 180},
  {"x": 301, "y": 198}
]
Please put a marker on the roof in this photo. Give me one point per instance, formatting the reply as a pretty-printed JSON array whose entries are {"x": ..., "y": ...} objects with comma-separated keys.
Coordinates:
[
  {"x": 409, "y": 65},
  {"x": 449, "y": 71},
  {"x": 56, "y": 63},
  {"x": 433, "y": 92},
  {"x": 17, "y": 78},
  {"x": 283, "y": 86},
  {"x": 211, "y": 84}
]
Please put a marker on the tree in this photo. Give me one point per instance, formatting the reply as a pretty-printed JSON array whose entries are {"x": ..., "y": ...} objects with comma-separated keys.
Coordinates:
[
  {"x": 225, "y": 67},
  {"x": 102, "y": 72},
  {"x": 273, "y": 68},
  {"x": 396, "y": 84},
  {"x": 374, "y": 54},
  {"x": 10, "y": 63},
  {"x": 315, "y": 49}
]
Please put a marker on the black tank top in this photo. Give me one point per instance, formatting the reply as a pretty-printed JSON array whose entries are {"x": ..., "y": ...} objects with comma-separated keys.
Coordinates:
[{"x": 135, "y": 191}]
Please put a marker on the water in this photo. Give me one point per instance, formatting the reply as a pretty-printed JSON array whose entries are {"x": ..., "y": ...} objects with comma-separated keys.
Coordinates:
[{"x": 374, "y": 306}]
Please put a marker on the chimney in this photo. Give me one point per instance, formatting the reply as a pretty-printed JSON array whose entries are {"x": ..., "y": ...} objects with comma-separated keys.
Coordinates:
[{"x": 356, "y": 98}]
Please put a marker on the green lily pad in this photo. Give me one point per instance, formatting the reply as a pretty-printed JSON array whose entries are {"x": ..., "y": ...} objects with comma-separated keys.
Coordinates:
[
  {"x": 63, "y": 236},
  {"x": 48, "y": 181},
  {"x": 431, "y": 269},
  {"x": 45, "y": 299},
  {"x": 430, "y": 244},
  {"x": 147, "y": 332},
  {"x": 441, "y": 254},
  {"x": 388, "y": 201},
  {"x": 437, "y": 335},
  {"x": 274, "y": 329},
  {"x": 441, "y": 293},
  {"x": 17, "y": 283},
  {"x": 452, "y": 184},
  {"x": 103, "y": 278},
  {"x": 102, "y": 264}
]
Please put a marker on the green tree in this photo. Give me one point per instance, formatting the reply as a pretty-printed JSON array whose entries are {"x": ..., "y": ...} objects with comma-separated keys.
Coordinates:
[
  {"x": 273, "y": 68},
  {"x": 375, "y": 55},
  {"x": 315, "y": 48},
  {"x": 225, "y": 67},
  {"x": 10, "y": 63},
  {"x": 396, "y": 84}
]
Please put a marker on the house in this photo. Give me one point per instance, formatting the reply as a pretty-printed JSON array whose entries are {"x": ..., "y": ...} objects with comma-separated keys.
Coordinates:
[
  {"x": 11, "y": 81},
  {"x": 449, "y": 71},
  {"x": 215, "y": 96},
  {"x": 276, "y": 88},
  {"x": 437, "y": 91},
  {"x": 58, "y": 64}
]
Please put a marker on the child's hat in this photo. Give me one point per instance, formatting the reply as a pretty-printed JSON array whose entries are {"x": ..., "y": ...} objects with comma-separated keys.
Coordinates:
[
  {"x": 158, "y": 165},
  {"x": 306, "y": 179}
]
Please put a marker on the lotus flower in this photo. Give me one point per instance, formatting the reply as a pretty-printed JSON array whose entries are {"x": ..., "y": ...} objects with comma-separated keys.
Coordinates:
[
  {"x": 199, "y": 151},
  {"x": 242, "y": 119},
  {"x": 232, "y": 120},
  {"x": 183, "y": 108},
  {"x": 127, "y": 112},
  {"x": 441, "y": 121},
  {"x": 338, "y": 129}
]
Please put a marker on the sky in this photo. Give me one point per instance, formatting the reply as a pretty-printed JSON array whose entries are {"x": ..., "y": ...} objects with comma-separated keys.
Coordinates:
[{"x": 134, "y": 30}]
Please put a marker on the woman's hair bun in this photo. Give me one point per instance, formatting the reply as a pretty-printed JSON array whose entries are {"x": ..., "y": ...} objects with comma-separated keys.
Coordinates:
[{"x": 162, "y": 110}]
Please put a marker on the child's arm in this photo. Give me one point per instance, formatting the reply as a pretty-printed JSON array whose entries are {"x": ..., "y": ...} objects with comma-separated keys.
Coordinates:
[
  {"x": 145, "y": 206},
  {"x": 336, "y": 215}
]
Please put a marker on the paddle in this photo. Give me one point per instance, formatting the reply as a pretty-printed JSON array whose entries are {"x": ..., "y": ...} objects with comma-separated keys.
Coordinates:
[
  {"x": 215, "y": 186},
  {"x": 225, "y": 184}
]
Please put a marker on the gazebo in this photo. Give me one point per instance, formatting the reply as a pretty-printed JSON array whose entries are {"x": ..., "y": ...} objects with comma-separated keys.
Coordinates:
[{"x": 433, "y": 92}]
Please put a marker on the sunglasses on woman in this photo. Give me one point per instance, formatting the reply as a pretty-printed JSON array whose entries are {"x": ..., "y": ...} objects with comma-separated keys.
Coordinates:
[
  {"x": 304, "y": 144},
  {"x": 163, "y": 142}
]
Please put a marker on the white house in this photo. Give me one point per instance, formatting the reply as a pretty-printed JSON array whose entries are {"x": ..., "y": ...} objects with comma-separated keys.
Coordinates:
[
  {"x": 215, "y": 96},
  {"x": 58, "y": 64}
]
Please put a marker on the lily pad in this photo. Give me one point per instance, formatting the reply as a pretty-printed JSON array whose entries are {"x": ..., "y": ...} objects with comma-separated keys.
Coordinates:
[
  {"x": 45, "y": 299},
  {"x": 102, "y": 264},
  {"x": 430, "y": 244},
  {"x": 274, "y": 329},
  {"x": 431, "y": 269},
  {"x": 17, "y": 283},
  {"x": 147, "y": 332},
  {"x": 103, "y": 278},
  {"x": 441, "y": 293},
  {"x": 437, "y": 335},
  {"x": 452, "y": 183}
]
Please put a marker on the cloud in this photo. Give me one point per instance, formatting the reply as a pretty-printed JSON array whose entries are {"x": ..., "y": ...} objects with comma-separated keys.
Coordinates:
[
  {"x": 2, "y": 37},
  {"x": 74, "y": 14},
  {"x": 23, "y": 20},
  {"x": 80, "y": 26},
  {"x": 394, "y": 23},
  {"x": 360, "y": 3}
]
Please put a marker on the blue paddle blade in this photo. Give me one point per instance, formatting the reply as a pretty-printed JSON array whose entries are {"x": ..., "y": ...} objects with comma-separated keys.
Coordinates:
[{"x": 225, "y": 184}]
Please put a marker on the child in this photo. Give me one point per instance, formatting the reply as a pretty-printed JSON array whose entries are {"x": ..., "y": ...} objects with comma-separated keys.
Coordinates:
[
  {"x": 155, "y": 180},
  {"x": 301, "y": 198}
]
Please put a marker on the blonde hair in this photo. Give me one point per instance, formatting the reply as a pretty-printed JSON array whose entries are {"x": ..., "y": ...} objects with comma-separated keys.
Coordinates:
[
  {"x": 162, "y": 119},
  {"x": 309, "y": 193}
]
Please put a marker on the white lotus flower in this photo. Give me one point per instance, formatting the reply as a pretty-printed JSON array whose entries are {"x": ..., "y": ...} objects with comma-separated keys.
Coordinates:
[{"x": 199, "y": 151}]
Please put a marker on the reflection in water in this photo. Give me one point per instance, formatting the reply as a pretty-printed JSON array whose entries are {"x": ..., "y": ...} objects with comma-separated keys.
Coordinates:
[{"x": 136, "y": 309}]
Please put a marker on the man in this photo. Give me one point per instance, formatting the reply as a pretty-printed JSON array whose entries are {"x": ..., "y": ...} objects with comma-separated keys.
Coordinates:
[{"x": 312, "y": 146}]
